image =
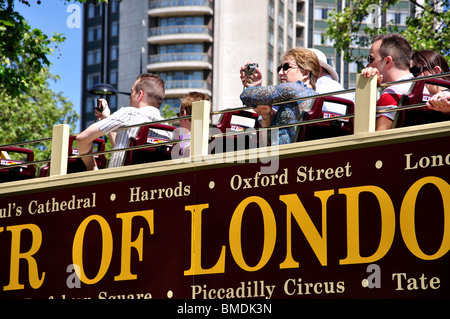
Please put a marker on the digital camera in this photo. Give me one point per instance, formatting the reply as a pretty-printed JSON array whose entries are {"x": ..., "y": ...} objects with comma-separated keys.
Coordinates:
[
  {"x": 250, "y": 68},
  {"x": 98, "y": 105}
]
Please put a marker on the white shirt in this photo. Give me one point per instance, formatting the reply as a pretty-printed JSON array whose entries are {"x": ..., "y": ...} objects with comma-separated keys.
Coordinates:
[
  {"x": 326, "y": 84},
  {"x": 129, "y": 116}
]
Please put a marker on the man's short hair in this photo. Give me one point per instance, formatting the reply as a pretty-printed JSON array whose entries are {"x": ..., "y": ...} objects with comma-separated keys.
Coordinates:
[
  {"x": 153, "y": 87},
  {"x": 396, "y": 46}
]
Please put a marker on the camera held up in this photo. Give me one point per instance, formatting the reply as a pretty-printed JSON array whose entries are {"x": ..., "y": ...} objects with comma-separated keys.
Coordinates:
[
  {"x": 98, "y": 105},
  {"x": 250, "y": 68}
]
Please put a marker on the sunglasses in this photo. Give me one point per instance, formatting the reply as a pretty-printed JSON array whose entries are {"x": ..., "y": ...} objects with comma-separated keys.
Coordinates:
[
  {"x": 370, "y": 59},
  {"x": 285, "y": 67},
  {"x": 416, "y": 70}
]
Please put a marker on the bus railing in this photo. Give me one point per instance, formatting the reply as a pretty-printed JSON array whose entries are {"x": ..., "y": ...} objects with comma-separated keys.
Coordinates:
[{"x": 364, "y": 122}]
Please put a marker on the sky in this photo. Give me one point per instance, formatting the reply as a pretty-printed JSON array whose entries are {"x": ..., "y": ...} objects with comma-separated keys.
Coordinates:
[{"x": 51, "y": 16}]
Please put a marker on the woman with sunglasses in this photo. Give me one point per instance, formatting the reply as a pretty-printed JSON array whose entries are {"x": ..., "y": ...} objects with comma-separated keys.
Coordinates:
[
  {"x": 298, "y": 73},
  {"x": 184, "y": 132},
  {"x": 428, "y": 62}
]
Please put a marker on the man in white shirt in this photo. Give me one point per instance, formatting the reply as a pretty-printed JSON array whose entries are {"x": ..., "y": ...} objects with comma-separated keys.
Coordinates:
[
  {"x": 146, "y": 97},
  {"x": 328, "y": 82}
]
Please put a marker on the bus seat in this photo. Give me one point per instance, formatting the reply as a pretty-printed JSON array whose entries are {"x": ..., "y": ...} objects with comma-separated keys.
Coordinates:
[
  {"x": 75, "y": 165},
  {"x": 327, "y": 129},
  {"x": 421, "y": 115},
  {"x": 150, "y": 154},
  {"x": 16, "y": 155},
  {"x": 237, "y": 121}
]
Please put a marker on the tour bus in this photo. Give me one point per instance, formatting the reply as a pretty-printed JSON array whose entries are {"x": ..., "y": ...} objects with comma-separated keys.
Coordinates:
[{"x": 344, "y": 212}]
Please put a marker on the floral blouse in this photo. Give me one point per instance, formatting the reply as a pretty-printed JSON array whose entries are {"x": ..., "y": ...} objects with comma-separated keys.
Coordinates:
[{"x": 287, "y": 113}]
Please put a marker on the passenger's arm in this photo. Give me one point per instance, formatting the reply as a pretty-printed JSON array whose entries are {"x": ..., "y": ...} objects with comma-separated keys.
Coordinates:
[
  {"x": 85, "y": 145},
  {"x": 268, "y": 95}
]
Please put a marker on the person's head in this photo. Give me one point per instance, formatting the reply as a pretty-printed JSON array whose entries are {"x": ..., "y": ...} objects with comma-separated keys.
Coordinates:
[
  {"x": 186, "y": 107},
  {"x": 299, "y": 64},
  {"x": 188, "y": 99},
  {"x": 389, "y": 53},
  {"x": 148, "y": 89},
  {"x": 326, "y": 69},
  {"x": 428, "y": 62}
]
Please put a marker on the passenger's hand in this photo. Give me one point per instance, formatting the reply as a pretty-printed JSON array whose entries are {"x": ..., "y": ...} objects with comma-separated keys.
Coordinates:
[
  {"x": 106, "y": 111},
  {"x": 254, "y": 79},
  {"x": 440, "y": 102},
  {"x": 369, "y": 72}
]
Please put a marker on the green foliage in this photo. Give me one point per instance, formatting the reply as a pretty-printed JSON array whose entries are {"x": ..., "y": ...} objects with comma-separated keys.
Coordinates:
[
  {"x": 22, "y": 49},
  {"x": 31, "y": 117},
  {"x": 28, "y": 108},
  {"x": 168, "y": 112},
  {"x": 427, "y": 30}
]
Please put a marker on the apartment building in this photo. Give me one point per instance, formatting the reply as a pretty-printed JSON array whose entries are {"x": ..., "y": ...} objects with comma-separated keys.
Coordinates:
[{"x": 201, "y": 44}]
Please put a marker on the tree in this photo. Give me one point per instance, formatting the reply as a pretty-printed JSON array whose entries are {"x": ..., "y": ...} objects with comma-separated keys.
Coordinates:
[
  {"x": 21, "y": 49},
  {"x": 28, "y": 108},
  {"x": 428, "y": 29},
  {"x": 28, "y": 117}
]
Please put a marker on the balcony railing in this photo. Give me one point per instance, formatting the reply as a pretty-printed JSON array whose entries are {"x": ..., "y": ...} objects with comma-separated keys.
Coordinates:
[
  {"x": 179, "y": 57},
  {"x": 187, "y": 84},
  {"x": 179, "y": 29},
  {"x": 156, "y": 4}
]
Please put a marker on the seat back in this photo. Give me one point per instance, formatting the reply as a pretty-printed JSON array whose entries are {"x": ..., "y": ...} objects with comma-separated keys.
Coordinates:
[
  {"x": 75, "y": 165},
  {"x": 421, "y": 115},
  {"x": 329, "y": 128},
  {"x": 236, "y": 121},
  {"x": 16, "y": 155},
  {"x": 153, "y": 153}
]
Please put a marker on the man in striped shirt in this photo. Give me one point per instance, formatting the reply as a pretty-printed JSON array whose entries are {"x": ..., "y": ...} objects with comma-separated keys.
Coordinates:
[
  {"x": 389, "y": 59},
  {"x": 146, "y": 97}
]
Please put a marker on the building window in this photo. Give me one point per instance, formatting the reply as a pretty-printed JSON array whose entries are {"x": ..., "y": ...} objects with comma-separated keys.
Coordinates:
[
  {"x": 319, "y": 38},
  {"x": 113, "y": 76},
  {"x": 180, "y": 48},
  {"x": 94, "y": 33},
  {"x": 397, "y": 18},
  {"x": 114, "y": 29},
  {"x": 114, "y": 5},
  {"x": 112, "y": 102},
  {"x": 92, "y": 79},
  {"x": 94, "y": 10},
  {"x": 114, "y": 52},
  {"x": 89, "y": 105},
  {"x": 321, "y": 13},
  {"x": 176, "y": 21},
  {"x": 182, "y": 75},
  {"x": 94, "y": 57},
  {"x": 173, "y": 103}
]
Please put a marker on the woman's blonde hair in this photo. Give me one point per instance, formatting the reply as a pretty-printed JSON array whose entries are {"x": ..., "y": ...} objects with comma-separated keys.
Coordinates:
[
  {"x": 306, "y": 60},
  {"x": 191, "y": 97}
]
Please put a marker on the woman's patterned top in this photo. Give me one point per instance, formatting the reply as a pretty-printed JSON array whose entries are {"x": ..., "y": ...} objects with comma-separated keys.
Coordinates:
[{"x": 287, "y": 113}]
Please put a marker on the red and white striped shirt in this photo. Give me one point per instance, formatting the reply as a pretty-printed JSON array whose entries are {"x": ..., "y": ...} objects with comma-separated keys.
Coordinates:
[{"x": 390, "y": 97}]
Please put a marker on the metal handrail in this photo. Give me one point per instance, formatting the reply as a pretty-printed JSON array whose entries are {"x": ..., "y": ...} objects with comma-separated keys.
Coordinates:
[
  {"x": 320, "y": 120},
  {"x": 25, "y": 164},
  {"x": 47, "y": 139},
  {"x": 419, "y": 78},
  {"x": 127, "y": 148},
  {"x": 346, "y": 116}
]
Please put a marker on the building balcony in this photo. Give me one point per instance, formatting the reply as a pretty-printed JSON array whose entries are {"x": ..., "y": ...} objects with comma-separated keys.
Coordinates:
[
  {"x": 176, "y": 61},
  {"x": 163, "y": 8},
  {"x": 181, "y": 33},
  {"x": 182, "y": 87}
]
